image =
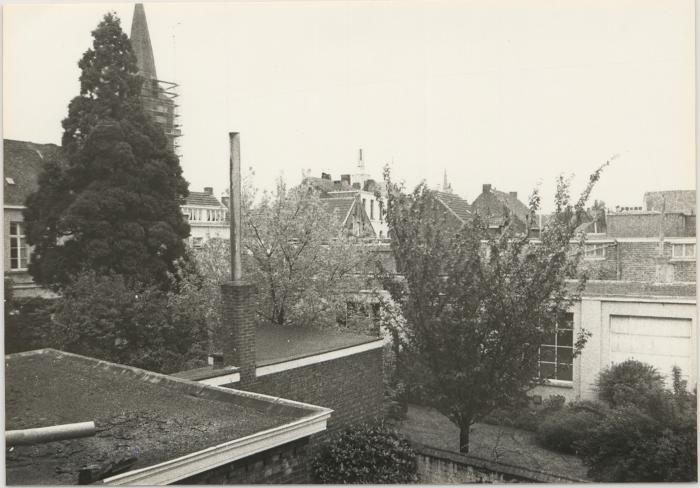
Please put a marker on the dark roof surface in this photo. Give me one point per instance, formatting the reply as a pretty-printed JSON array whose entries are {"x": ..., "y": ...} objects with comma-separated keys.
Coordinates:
[
  {"x": 340, "y": 206},
  {"x": 514, "y": 205},
  {"x": 202, "y": 199},
  {"x": 159, "y": 416},
  {"x": 276, "y": 344},
  {"x": 676, "y": 201},
  {"x": 23, "y": 162},
  {"x": 456, "y": 204}
]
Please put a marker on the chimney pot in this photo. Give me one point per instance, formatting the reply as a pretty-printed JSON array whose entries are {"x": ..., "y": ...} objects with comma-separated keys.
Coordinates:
[
  {"x": 486, "y": 188},
  {"x": 209, "y": 190}
]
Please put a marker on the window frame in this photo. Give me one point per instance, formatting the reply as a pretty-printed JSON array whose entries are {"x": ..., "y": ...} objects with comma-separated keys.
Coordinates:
[
  {"x": 18, "y": 242},
  {"x": 568, "y": 320},
  {"x": 683, "y": 256},
  {"x": 594, "y": 255}
]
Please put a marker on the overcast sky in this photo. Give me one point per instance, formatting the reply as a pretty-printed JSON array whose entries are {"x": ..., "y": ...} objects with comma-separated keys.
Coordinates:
[{"x": 507, "y": 92}]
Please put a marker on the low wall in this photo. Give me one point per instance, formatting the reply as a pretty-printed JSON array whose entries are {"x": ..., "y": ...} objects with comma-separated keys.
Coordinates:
[{"x": 436, "y": 466}]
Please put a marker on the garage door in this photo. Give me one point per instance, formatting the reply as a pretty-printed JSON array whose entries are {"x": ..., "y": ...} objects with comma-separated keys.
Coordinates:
[{"x": 661, "y": 342}]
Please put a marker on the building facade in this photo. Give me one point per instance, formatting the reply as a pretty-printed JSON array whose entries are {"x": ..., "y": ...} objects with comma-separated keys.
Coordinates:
[{"x": 207, "y": 216}]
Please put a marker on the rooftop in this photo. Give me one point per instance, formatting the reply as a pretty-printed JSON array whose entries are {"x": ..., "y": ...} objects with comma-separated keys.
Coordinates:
[
  {"x": 135, "y": 411},
  {"x": 202, "y": 199},
  {"x": 458, "y": 205},
  {"x": 339, "y": 206},
  {"x": 279, "y": 344},
  {"x": 23, "y": 161}
]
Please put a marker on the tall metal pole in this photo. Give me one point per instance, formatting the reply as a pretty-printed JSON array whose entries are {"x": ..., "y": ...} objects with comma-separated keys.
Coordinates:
[{"x": 235, "y": 210}]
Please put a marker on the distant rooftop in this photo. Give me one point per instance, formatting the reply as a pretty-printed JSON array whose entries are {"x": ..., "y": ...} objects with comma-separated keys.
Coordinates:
[
  {"x": 458, "y": 205},
  {"x": 22, "y": 163},
  {"x": 158, "y": 416},
  {"x": 202, "y": 199}
]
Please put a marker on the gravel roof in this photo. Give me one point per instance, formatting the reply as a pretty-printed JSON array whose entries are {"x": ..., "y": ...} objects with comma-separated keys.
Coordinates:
[{"x": 158, "y": 416}]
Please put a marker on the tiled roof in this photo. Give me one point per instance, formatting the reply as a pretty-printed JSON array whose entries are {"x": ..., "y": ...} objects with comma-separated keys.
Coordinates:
[
  {"x": 339, "y": 206},
  {"x": 22, "y": 164},
  {"x": 159, "y": 416},
  {"x": 514, "y": 205},
  {"x": 202, "y": 199},
  {"x": 456, "y": 204},
  {"x": 676, "y": 201}
]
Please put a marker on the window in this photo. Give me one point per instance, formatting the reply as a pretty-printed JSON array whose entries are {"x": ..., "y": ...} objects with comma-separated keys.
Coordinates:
[
  {"x": 19, "y": 252},
  {"x": 595, "y": 251},
  {"x": 557, "y": 351},
  {"x": 684, "y": 251},
  {"x": 371, "y": 209},
  {"x": 381, "y": 211}
]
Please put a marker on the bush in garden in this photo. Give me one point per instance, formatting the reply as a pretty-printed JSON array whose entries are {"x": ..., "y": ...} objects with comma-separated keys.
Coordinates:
[
  {"x": 650, "y": 435},
  {"x": 561, "y": 430},
  {"x": 27, "y": 322},
  {"x": 631, "y": 446},
  {"x": 630, "y": 382},
  {"x": 366, "y": 454},
  {"x": 116, "y": 319}
]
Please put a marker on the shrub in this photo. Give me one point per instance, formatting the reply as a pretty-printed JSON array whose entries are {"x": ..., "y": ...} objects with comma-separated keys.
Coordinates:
[
  {"x": 561, "y": 430},
  {"x": 630, "y": 382},
  {"x": 631, "y": 446},
  {"x": 27, "y": 322},
  {"x": 650, "y": 435},
  {"x": 112, "y": 318},
  {"x": 366, "y": 454}
]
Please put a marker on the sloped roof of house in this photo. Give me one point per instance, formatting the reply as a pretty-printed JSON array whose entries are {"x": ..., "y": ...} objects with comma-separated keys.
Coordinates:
[
  {"x": 682, "y": 201},
  {"x": 340, "y": 206},
  {"x": 158, "y": 417},
  {"x": 514, "y": 205},
  {"x": 202, "y": 199},
  {"x": 23, "y": 162},
  {"x": 456, "y": 204},
  {"x": 491, "y": 202},
  {"x": 325, "y": 185}
]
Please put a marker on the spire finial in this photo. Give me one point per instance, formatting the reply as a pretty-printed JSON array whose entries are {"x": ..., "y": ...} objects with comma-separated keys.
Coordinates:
[{"x": 141, "y": 44}]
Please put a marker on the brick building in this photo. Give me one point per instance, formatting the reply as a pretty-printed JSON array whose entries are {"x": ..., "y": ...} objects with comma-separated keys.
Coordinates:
[
  {"x": 22, "y": 163},
  {"x": 640, "y": 300},
  {"x": 493, "y": 205}
]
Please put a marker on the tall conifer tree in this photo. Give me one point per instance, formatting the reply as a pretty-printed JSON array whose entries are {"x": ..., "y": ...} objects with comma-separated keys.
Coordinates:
[{"x": 114, "y": 205}]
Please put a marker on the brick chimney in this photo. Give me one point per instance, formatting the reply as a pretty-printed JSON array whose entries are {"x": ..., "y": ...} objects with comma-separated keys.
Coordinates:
[
  {"x": 345, "y": 179},
  {"x": 326, "y": 176},
  {"x": 513, "y": 194},
  {"x": 209, "y": 190},
  {"x": 486, "y": 188},
  {"x": 237, "y": 297}
]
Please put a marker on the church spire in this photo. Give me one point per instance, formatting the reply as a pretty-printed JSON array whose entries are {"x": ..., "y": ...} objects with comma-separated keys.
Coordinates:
[{"x": 141, "y": 44}]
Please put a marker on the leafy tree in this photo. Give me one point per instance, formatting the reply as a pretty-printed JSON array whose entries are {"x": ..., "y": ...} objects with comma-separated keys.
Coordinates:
[
  {"x": 114, "y": 205},
  {"x": 476, "y": 305},
  {"x": 365, "y": 454},
  {"x": 301, "y": 259},
  {"x": 116, "y": 319}
]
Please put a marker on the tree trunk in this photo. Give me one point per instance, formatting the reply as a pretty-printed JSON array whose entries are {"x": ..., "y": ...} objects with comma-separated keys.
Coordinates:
[{"x": 464, "y": 437}]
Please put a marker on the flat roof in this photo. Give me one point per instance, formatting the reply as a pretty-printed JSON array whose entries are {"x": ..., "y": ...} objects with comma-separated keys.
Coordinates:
[
  {"x": 279, "y": 344},
  {"x": 135, "y": 411}
]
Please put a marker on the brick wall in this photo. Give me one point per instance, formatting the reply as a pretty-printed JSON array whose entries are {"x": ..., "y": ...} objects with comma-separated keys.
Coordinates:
[
  {"x": 638, "y": 263},
  {"x": 352, "y": 386},
  {"x": 287, "y": 464},
  {"x": 436, "y": 466},
  {"x": 647, "y": 225}
]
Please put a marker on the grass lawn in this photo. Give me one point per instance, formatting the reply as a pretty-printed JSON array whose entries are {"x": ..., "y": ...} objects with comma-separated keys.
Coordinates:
[{"x": 497, "y": 443}]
